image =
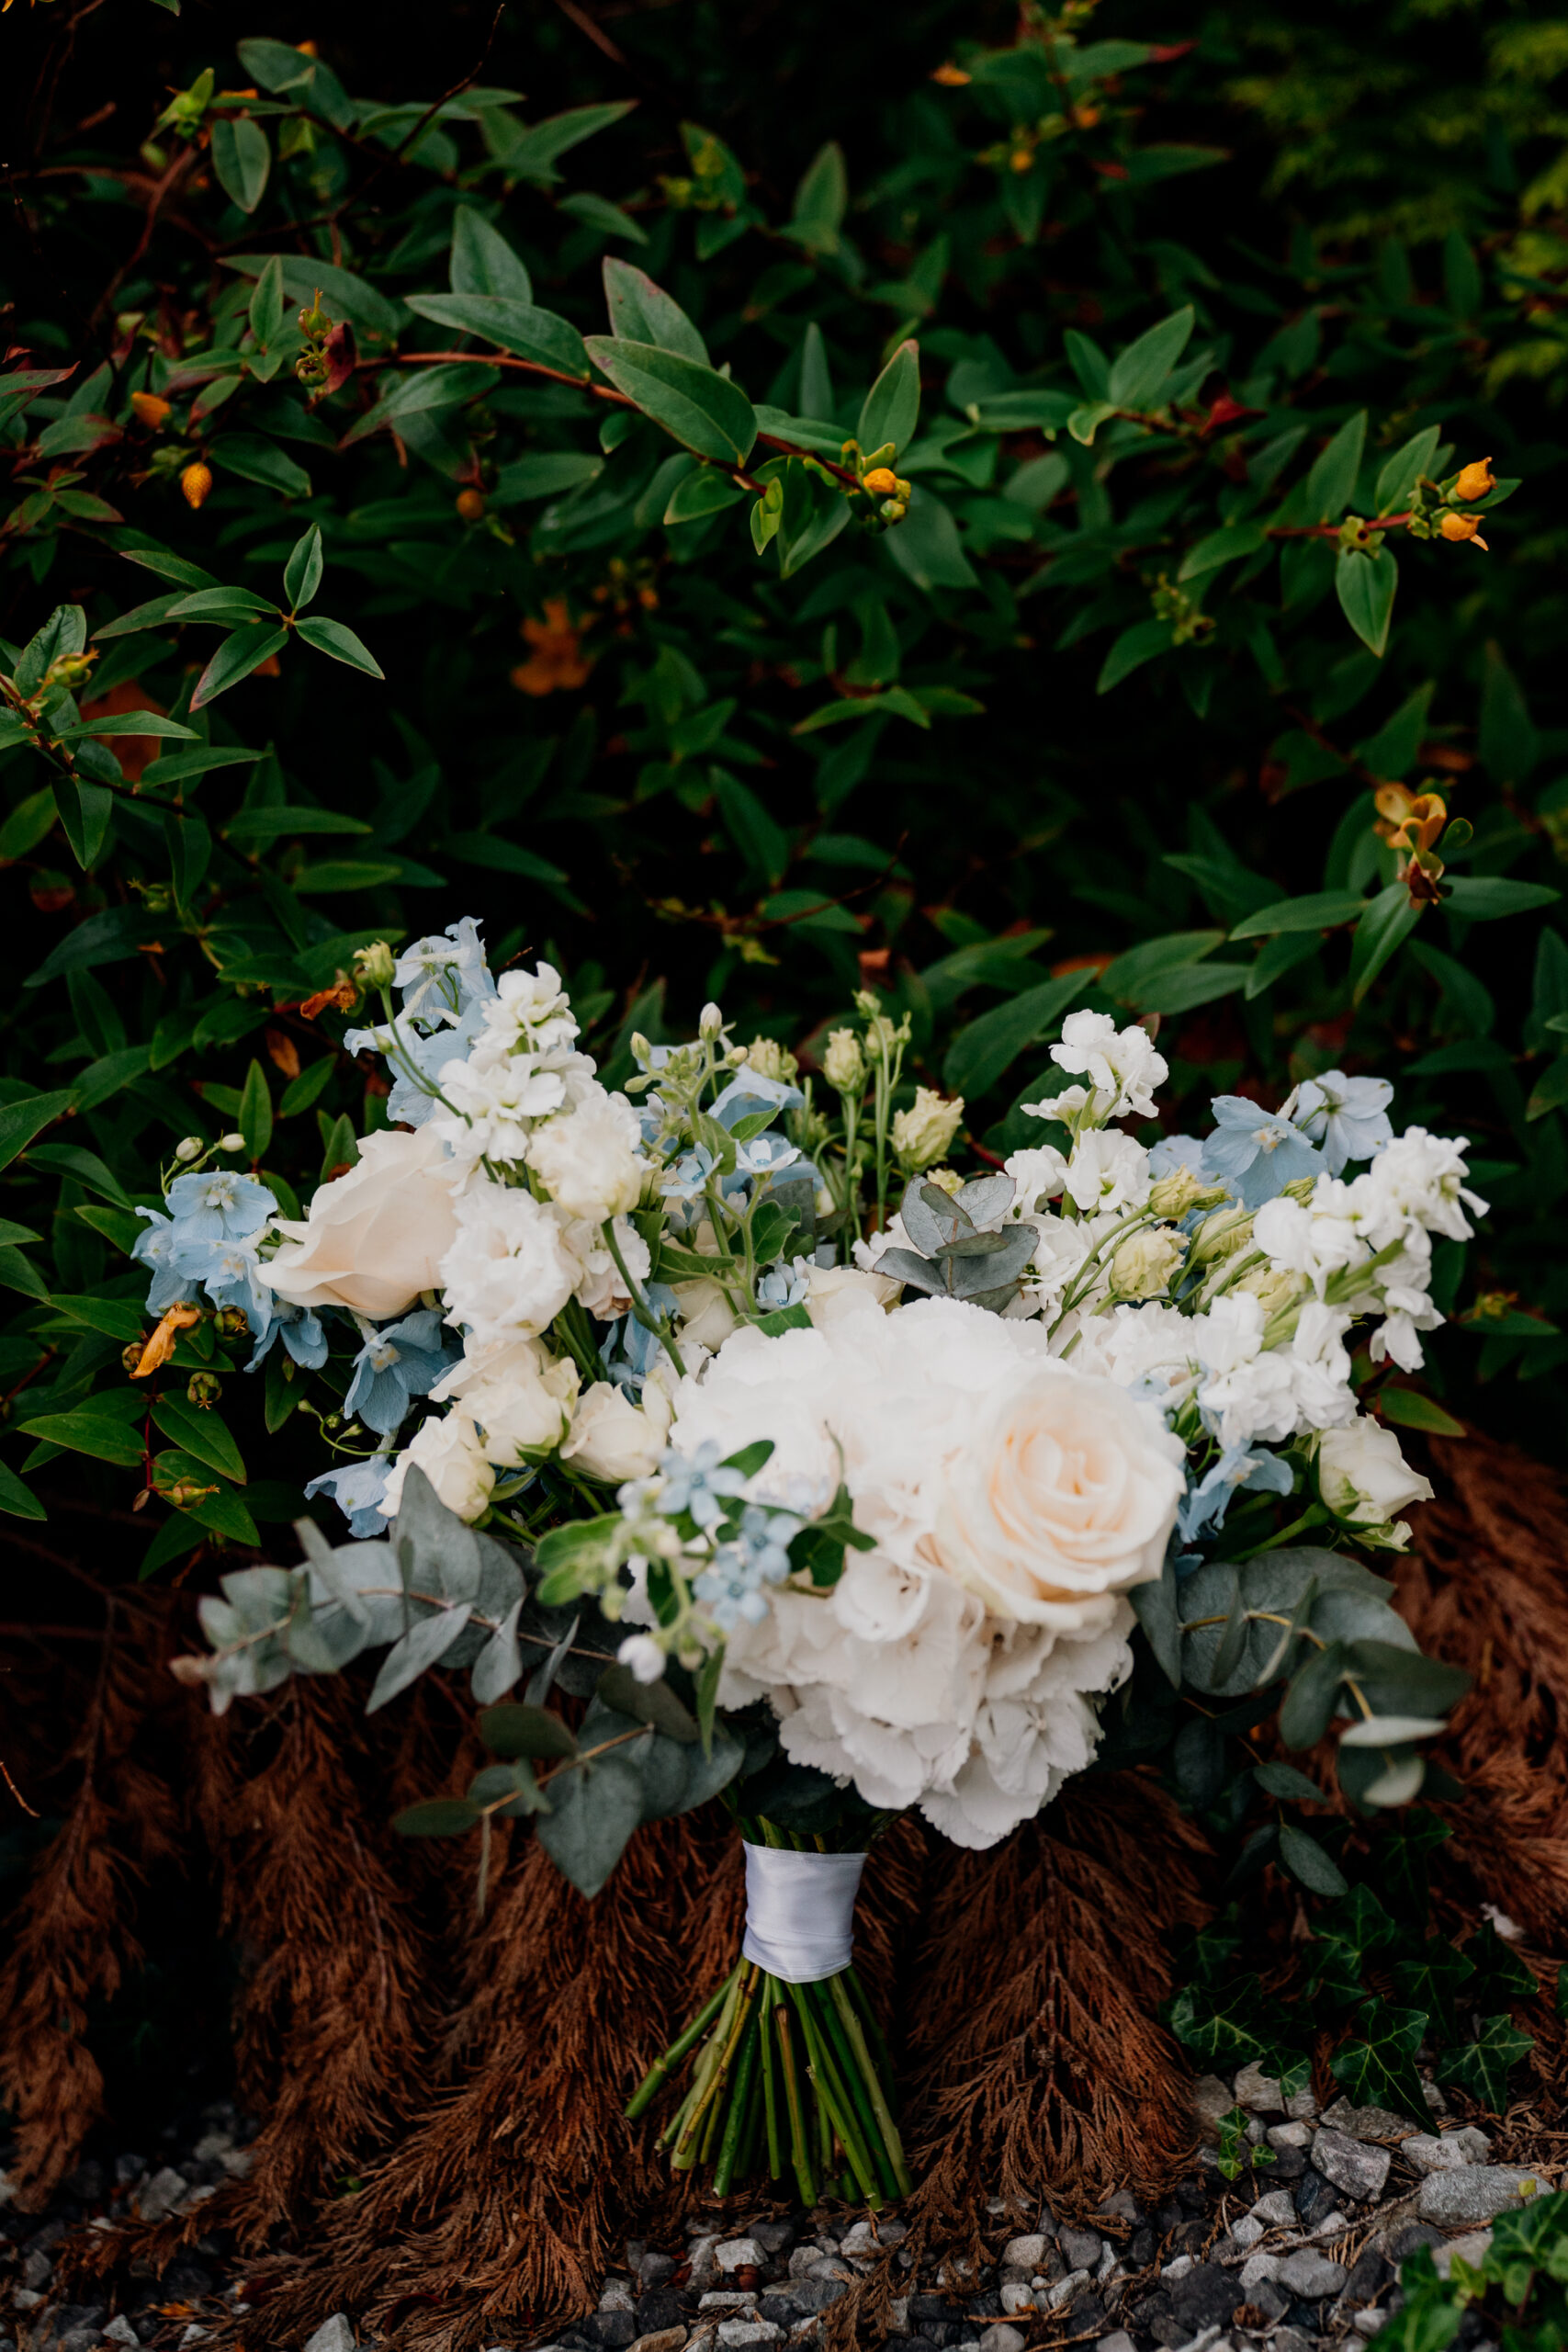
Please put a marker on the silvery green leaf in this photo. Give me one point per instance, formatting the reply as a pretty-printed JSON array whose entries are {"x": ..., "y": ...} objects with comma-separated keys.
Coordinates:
[
  {"x": 420, "y": 1646},
  {"x": 1392, "y": 1730},
  {"x": 1398, "y": 1679},
  {"x": 594, "y": 1808},
  {"x": 648, "y": 1703},
  {"x": 542, "y": 1679},
  {"x": 323, "y": 1642},
  {"x": 1398, "y": 1782},
  {"x": 925, "y": 1227},
  {"x": 502, "y": 1583},
  {"x": 514, "y": 1781},
  {"x": 259, "y": 1597},
  {"x": 331, "y": 1581},
  {"x": 1308, "y": 1706},
  {"x": 218, "y": 1622},
  {"x": 1357, "y": 1617},
  {"x": 498, "y": 1664},
  {"x": 438, "y": 1552},
  {"x": 993, "y": 1301},
  {"x": 985, "y": 1197},
  {"x": 677, "y": 1776},
  {"x": 312, "y": 1543},
  {"x": 917, "y": 1273},
  {"x": 1155, "y": 1607}
]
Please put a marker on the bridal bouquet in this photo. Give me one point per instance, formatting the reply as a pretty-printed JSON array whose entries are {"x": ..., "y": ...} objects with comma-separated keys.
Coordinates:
[{"x": 837, "y": 1481}]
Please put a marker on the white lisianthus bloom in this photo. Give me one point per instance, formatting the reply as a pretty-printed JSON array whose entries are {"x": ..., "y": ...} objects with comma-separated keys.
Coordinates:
[
  {"x": 507, "y": 1270},
  {"x": 1108, "y": 1170},
  {"x": 834, "y": 1290},
  {"x": 1365, "y": 1481},
  {"x": 1120, "y": 1065},
  {"x": 598, "y": 1281},
  {"x": 922, "y": 1134},
  {"x": 591, "y": 1160},
  {"x": 844, "y": 1064},
  {"x": 517, "y": 1417},
  {"x": 1147, "y": 1263},
  {"x": 901, "y": 1677},
  {"x": 707, "y": 1315},
  {"x": 375, "y": 1237},
  {"x": 448, "y": 1449},
  {"x": 615, "y": 1440}
]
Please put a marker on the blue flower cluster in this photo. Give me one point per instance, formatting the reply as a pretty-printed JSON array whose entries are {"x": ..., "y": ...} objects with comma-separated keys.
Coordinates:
[
  {"x": 731, "y": 1585},
  {"x": 445, "y": 985},
  {"x": 209, "y": 1242},
  {"x": 697, "y": 1483},
  {"x": 1255, "y": 1153}
]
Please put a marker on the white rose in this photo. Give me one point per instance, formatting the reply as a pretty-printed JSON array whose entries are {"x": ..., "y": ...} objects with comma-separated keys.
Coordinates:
[
  {"x": 449, "y": 1452},
  {"x": 1063, "y": 1498},
  {"x": 375, "y": 1237},
  {"x": 615, "y": 1440},
  {"x": 589, "y": 1157},
  {"x": 1365, "y": 1481},
  {"x": 507, "y": 1272},
  {"x": 707, "y": 1315},
  {"x": 835, "y": 1291},
  {"x": 527, "y": 1412}
]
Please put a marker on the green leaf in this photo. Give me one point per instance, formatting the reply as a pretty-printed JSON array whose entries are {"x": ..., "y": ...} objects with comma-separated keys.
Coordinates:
[
  {"x": 515, "y": 1729},
  {"x": 703, "y": 410},
  {"x": 266, "y": 822},
  {"x": 18, "y": 1273},
  {"x": 235, "y": 659},
  {"x": 817, "y": 214},
  {"x": 1483, "y": 2066},
  {"x": 1333, "y": 478},
  {"x": 266, "y": 308},
  {"x": 980, "y": 1054},
  {"x": 594, "y": 1808},
  {"x": 1322, "y": 911},
  {"x": 1308, "y": 1705},
  {"x": 84, "y": 1430},
  {"x": 307, "y": 1088},
  {"x": 511, "y": 325},
  {"x": 16, "y": 1499},
  {"x": 1401, "y": 472},
  {"x": 256, "y": 458},
  {"x": 1221, "y": 546},
  {"x": 501, "y": 856},
  {"x": 483, "y": 262},
  {"x": 531, "y": 154},
  {"x": 28, "y": 823},
  {"x": 1365, "y": 586},
  {"x": 302, "y": 572},
  {"x": 240, "y": 159},
  {"x": 21, "y": 1120},
  {"x": 1138, "y": 373},
  {"x": 437, "y": 1817},
  {"x": 344, "y": 294},
  {"x": 927, "y": 547},
  {"x": 1284, "y": 1780},
  {"x": 332, "y": 638},
  {"x": 1387, "y": 923},
  {"x": 641, "y": 312},
  {"x": 1306, "y": 1860},
  {"x": 199, "y": 1433},
  {"x": 1129, "y": 651},
  {"x": 1379, "y": 2070},
  {"x": 125, "y": 722},
  {"x": 255, "y": 1113},
  {"x": 705, "y": 492},
  {"x": 648, "y": 1703},
  {"x": 1484, "y": 898},
  {"x": 1410, "y": 1408},
  {"x": 891, "y": 409}
]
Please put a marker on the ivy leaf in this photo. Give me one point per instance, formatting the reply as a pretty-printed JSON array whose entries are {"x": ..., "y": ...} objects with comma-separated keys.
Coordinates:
[
  {"x": 1379, "y": 2070},
  {"x": 1482, "y": 2066},
  {"x": 1432, "y": 1981}
]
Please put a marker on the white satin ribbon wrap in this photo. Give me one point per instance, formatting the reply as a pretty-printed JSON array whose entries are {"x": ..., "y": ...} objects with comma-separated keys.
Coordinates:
[{"x": 800, "y": 1912}]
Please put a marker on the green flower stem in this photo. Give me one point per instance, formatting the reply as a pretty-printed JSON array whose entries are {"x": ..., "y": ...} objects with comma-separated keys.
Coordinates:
[
  {"x": 707, "y": 2076},
  {"x": 770, "y": 2087},
  {"x": 1313, "y": 1516},
  {"x": 832, "y": 2100},
  {"x": 794, "y": 2105},
  {"x": 640, "y": 1308},
  {"x": 853, "y": 2080},
  {"x": 874, "y": 2033},
  {"x": 731, "y": 2143},
  {"x": 660, "y": 2071},
  {"x": 870, "y": 2077}
]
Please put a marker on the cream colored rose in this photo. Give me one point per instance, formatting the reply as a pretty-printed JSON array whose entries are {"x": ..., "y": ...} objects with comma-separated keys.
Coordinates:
[
  {"x": 1062, "y": 1499},
  {"x": 615, "y": 1440},
  {"x": 519, "y": 1397},
  {"x": 590, "y": 1156},
  {"x": 450, "y": 1452},
  {"x": 374, "y": 1238},
  {"x": 835, "y": 1291},
  {"x": 707, "y": 1315},
  {"x": 1364, "y": 1479}
]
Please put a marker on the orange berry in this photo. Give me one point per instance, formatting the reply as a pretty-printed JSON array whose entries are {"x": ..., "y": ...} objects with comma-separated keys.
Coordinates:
[
  {"x": 882, "y": 481},
  {"x": 1461, "y": 526},
  {"x": 471, "y": 505},
  {"x": 195, "y": 481},
  {"x": 150, "y": 409},
  {"x": 1475, "y": 479}
]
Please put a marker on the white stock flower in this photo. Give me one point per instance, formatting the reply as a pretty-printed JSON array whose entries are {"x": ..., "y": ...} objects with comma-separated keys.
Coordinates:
[
  {"x": 1039, "y": 1173},
  {"x": 1151, "y": 1347},
  {"x": 447, "y": 1449},
  {"x": 1365, "y": 1481},
  {"x": 615, "y": 1440},
  {"x": 1108, "y": 1170},
  {"x": 589, "y": 1160},
  {"x": 507, "y": 1272},
  {"x": 1120, "y": 1065},
  {"x": 1315, "y": 1240},
  {"x": 1416, "y": 1184},
  {"x": 375, "y": 1237},
  {"x": 900, "y": 1677}
]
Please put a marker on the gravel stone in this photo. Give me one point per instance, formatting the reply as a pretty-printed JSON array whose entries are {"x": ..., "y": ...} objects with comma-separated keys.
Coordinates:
[
  {"x": 743, "y": 2335},
  {"x": 1246, "y": 2232},
  {"x": 1401, "y": 2243},
  {"x": 816, "y": 2294},
  {"x": 614, "y": 2330},
  {"x": 1293, "y": 2339},
  {"x": 1017, "y": 2295},
  {"x": 1211, "y": 2099},
  {"x": 1446, "y": 2150},
  {"x": 1256, "y": 2089},
  {"x": 1311, "y": 2275},
  {"x": 657, "y": 2310},
  {"x": 1258, "y": 2269},
  {"x": 1003, "y": 2338},
  {"x": 1205, "y": 2298},
  {"x": 738, "y": 2253},
  {"x": 120, "y": 2331},
  {"x": 1276, "y": 2206},
  {"x": 1024, "y": 2254},
  {"x": 1288, "y": 2135},
  {"x": 1359, "y": 2170},
  {"x": 162, "y": 2193},
  {"x": 335, "y": 2335},
  {"x": 1057, "y": 2298},
  {"x": 774, "y": 2236},
  {"x": 1369, "y": 2277},
  {"x": 615, "y": 2296},
  {"x": 655, "y": 2270},
  {"x": 1081, "y": 2249},
  {"x": 705, "y": 2269},
  {"x": 664, "y": 2339},
  {"x": 1473, "y": 2194},
  {"x": 1368, "y": 2122},
  {"x": 1120, "y": 2342},
  {"x": 1314, "y": 2199},
  {"x": 1469, "y": 2248}
]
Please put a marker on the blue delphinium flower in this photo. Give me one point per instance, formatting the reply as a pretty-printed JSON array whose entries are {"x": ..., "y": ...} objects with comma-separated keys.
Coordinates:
[
  {"x": 1206, "y": 1503},
  {"x": 1255, "y": 1152},
  {"x": 299, "y": 1329},
  {"x": 765, "y": 1155},
  {"x": 218, "y": 1204},
  {"x": 451, "y": 1039},
  {"x": 230, "y": 1273},
  {"x": 750, "y": 1092},
  {"x": 155, "y": 1249},
  {"x": 397, "y": 1363},
  {"x": 447, "y": 970},
  {"x": 357, "y": 1487},
  {"x": 731, "y": 1585},
  {"x": 1346, "y": 1117}
]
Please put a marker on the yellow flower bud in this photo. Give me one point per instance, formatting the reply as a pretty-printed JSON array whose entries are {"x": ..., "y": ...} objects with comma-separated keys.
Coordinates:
[
  {"x": 1475, "y": 479},
  {"x": 882, "y": 481},
  {"x": 196, "y": 482},
  {"x": 1463, "y": 526},
  {"x": 1174, "y": 1194}
]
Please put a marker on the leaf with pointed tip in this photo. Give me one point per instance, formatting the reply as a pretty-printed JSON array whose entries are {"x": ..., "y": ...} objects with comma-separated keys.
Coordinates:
[{"x": 641, "y": 312}]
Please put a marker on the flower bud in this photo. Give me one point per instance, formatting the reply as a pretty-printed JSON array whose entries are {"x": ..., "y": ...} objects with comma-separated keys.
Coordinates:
[
  {"x": 770, "y": 1059},
  {"x": 844, "y": 1064},
  {"x": 947, "y": 1180},
  {"x": 149, "y": 410},
  {"x": 1273, "y": 1288},
  {"x": 1173, "y": 1196},
  {"x": 641, "y": 1049},
  {"x": 196, "y": 482},
  {"x": 374, "y": 965},
  {"x": 1463, "y": 526},
  {"x": 868, "y": 1002},
  {"x": 188, "y": 1148},
  {"x": 921, "y": 1134},
  {"x": 643, "y": 1655},
  {"x": 233, "y": 1322},
  {"x": 1221, "y": 1236},
  {"x": 882, "y": 481},
  {"x": 234, "y": 1142},
  {"x": 131, "y": 1357},
  {"x": 204, "y": 1389},
  {"x": 710, "y": 1021},
  {"x": 1146, "y": 1263},
  {"x": 1475, "y": 479},
  {"x": 471, "y": 505}
]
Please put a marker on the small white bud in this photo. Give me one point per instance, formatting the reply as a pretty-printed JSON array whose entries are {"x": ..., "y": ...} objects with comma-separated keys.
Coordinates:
[
  {"x": 643, "y": 1655},
  {"x": 235, "y": 1142},
  {"x": 189, "y": 1148},
  {"x": 710, "y": 1022}
]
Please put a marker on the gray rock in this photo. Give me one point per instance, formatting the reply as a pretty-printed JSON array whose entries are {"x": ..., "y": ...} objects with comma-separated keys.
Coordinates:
[
  {"x": 1126, "y": 2208},
  {"x": 1017, "y": 2295},
  {"x": 1311, "y": 2275},
  {"x": 1314, "y": 2199},
  {"x": 1369, "y": 2274},
  {"x": 1302, "y": 2106},
  {"x": 1211, "y": 2099},
  {"x": 1368, "y": 2122},
  {"x": 1000, "y": 2337},
  {"x": 817, "y": 2294},
  {"x": 744, "y": 2335},
  {"x": 1293, "y": 2339},
  {"x": 1290, "y": 2136},
  {"x": 705, "y": 2269},
  {"x": 1246, "y": 2232},
  {"x": 162, "y": 2194},
  {"x": 1205, "y": 2298},
  {"x": 1120, "y": 2342},
  {"x": 335, "y": 2335},
  {"x": 120, "y": 2331},
  {"x": 1258, "y": 2268},
  {"x": 739, "y": 2253},
  {"x": 1081, "y": 2249},
  {"x": 660, "y": 2339},
  {"x": 37, "y": 2269},
  {"x": 1276, "y": 2206},
  {"x": 1359, "y": 2170},
  {"x": 1471, "y": 2248},
  {"x": 1401, "y": 2243},
  {"x": 655, "y": 2268},
  {"x": 774, "y": 2236},
  {"x": 1446, "y": 2150},
  {"x": 1474, "y": 2194},
  {"x": 1024, "y": 2254},
  {"x": 1057, "y": 2298},
  {"x": 615, "y": 2296},
  {"x": 1254, "y": 2089}
]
